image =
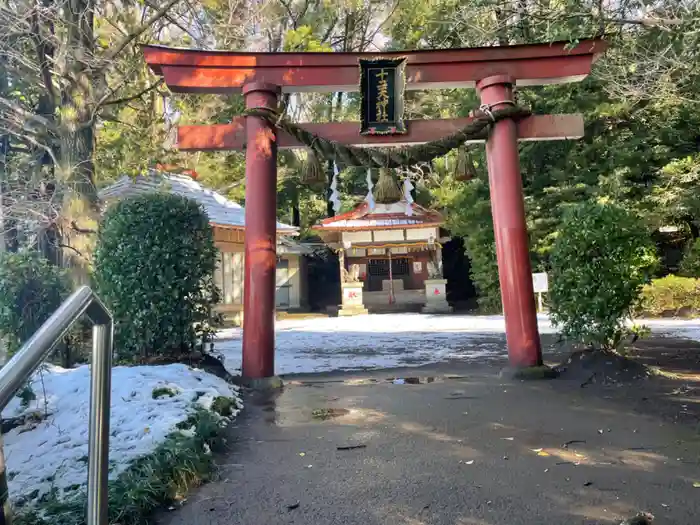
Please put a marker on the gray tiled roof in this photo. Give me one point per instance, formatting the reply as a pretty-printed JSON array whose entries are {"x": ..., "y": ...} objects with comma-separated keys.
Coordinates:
[{"x": 221, "y": 210}]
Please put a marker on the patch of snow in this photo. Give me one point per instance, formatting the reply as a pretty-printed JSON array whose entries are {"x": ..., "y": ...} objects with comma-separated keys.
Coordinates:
[
  {"x": 375, "y": 341},
  {"x": 683, "y": 328},
  {"x": 53, "y": 452}
]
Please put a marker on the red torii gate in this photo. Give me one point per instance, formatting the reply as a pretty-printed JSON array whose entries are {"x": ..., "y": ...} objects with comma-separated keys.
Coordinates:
[{"x": 261, "y": 77}]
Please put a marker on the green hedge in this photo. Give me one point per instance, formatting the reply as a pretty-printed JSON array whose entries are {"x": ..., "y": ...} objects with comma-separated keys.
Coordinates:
[
  {"x": 31, "y": 289},
  {"x": 154, "y": 266},
  {"x": 600, "y": 261},
  {"x": 670, "y": 295},
  {"x": 690, "y": 265}
]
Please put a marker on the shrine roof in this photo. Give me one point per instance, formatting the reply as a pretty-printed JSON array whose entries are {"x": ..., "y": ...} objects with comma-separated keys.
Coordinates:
[
  {"x": 382, "y": 217},
  {"x": 222, "y": 212},
  {"x": 204, "y": 71}
]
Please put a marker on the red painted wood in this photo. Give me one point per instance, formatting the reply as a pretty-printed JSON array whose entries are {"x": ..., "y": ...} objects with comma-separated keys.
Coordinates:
[
  {"x": 512, "y": 252},
  {"x": 260, "y": 238},
  {"x": 232, "y": 136},
  {"x": 157, "y": 56},
  {"x": 546, "y": 70}
]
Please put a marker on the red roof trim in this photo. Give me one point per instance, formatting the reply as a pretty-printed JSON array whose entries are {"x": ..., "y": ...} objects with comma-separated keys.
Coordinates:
[{"x": 320, "y": 228}]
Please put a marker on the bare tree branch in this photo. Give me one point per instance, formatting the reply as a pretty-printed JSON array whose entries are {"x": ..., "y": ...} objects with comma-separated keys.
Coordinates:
[
  {"x": 137, "y": 95},
  {"x": 137, "y": 32}
]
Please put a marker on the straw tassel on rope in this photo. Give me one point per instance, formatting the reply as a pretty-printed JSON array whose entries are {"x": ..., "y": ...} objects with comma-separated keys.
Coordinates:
[
  {"x": 464, "y": 167},
  {"x": 387, "y": 190},
  {"x": 312, "y": 171}
]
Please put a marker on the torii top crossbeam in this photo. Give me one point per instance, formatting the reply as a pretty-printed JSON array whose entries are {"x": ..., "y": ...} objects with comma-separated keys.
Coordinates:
[{"x": 198, "y": 71}]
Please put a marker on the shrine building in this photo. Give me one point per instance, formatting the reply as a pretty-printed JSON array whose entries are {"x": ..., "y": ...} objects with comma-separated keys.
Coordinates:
[{"x": 390, "y": 257}]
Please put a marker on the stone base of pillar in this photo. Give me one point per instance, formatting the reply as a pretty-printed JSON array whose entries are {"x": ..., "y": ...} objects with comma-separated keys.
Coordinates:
[
  {"x": 352, "y": 299},
  {"x": 436, "y": 297}
]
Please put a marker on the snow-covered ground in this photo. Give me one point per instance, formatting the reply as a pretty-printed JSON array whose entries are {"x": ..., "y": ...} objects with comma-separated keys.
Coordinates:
[
  {"x": 683, "y": 328},
  {"x": 375, "y": 341},
  {"x": 53, "y": 452},
  {"x": 396, "y": 340}
]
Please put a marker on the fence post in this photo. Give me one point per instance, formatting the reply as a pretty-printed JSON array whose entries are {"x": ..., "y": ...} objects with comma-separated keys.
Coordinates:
[{"x": 98, "y": 447}]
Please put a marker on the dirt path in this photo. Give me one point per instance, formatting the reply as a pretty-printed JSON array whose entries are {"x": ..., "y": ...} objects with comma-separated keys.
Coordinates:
[{"x": 473, "y": 450}]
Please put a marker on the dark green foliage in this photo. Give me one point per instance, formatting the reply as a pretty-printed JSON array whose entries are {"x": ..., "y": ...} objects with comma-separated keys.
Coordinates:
[
  {"x": 162, "y": 391},
  {"x": 30, "y": 290},
  {"x": 471, "y": 219},
  {"x": 690, "y": 265},
  {"x": 224, "y": 406},
  {"x": 27, "y": 395},
  {"x": 600, "y": 261},
  {"x": 154, "y": 263},
  {"x": 180, "y": 463},
  {"x": 671, "y": 295}
]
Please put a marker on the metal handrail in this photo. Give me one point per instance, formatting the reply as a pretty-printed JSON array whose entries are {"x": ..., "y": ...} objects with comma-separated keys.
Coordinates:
[{"x": 18, "y": 370}]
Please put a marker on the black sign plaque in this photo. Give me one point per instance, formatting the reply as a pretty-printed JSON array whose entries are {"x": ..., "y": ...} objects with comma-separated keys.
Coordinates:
[{"x": 382, "y": 83}]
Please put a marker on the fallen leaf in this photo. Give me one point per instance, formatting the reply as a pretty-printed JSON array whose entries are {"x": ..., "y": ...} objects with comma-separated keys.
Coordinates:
[{"x": 302, "y": 454}]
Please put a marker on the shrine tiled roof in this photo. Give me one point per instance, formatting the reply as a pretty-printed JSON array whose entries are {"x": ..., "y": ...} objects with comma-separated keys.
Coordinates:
[
  {"x": 221, "y": 211},
  {"x": 383, "y": 216}
]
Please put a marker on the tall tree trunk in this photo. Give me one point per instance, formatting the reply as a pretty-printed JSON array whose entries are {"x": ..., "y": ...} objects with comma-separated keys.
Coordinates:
[
  {"x": 77, "y": 141},
  {"x": 5, "y": 222}
]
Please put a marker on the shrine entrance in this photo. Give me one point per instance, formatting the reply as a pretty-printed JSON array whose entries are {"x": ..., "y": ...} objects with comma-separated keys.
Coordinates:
[{"x": 381, "y": 79}]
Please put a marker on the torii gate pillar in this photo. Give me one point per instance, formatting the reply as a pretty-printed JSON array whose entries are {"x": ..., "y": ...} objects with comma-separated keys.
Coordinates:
[
  {"x": 260, "y": 235},
  {"x": 508, "y": 210}
]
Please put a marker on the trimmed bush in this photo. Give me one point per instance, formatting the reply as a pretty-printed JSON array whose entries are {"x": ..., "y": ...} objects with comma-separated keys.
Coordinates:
[
  {"x": 690, "y": 265},
  {"x": 600, "y": 260},
  {"x": 31, "y": 289},
  {"x": 154, "y": 266},
  {"x": 671, "y": 295}
]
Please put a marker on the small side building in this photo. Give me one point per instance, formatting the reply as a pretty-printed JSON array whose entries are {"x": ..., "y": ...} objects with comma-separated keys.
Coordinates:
[{"x": 227, "y": 218}]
